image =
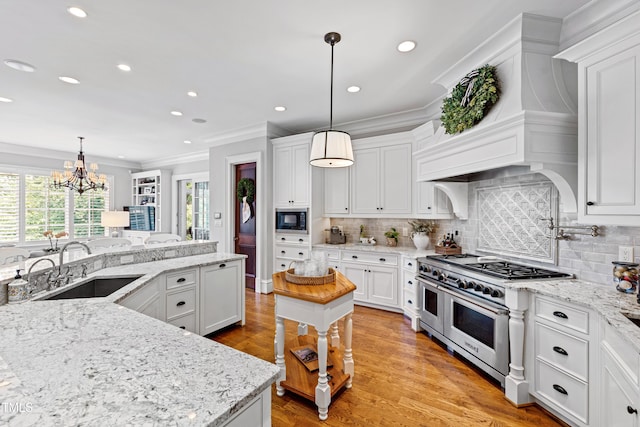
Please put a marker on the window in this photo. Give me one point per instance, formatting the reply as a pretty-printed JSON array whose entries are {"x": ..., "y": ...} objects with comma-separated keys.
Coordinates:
[{"x": 29, "y": 206}]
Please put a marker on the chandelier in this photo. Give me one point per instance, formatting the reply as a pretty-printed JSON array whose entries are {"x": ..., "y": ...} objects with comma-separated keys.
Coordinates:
[{"x": 77, "y": 177}]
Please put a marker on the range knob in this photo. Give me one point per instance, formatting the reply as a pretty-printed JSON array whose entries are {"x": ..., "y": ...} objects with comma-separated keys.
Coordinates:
[
  {"x": 470, "y": 285},
  {"x": 435, "y": 273},
  {"x": 478, "y": 287},
  {"x": 487, "y": 290},
  {"x": 497, "y": 293},
  {"x": 461, "y": 284},
  {"x": 442, "y": 277},
  {"x": 424, "y": 269}
]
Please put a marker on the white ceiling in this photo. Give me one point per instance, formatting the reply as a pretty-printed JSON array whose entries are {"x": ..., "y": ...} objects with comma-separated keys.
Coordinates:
[{"x": 243, "y": 57}]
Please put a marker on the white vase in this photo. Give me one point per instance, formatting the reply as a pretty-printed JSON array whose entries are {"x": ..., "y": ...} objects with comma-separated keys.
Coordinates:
[{"x": 420, "y": 240}]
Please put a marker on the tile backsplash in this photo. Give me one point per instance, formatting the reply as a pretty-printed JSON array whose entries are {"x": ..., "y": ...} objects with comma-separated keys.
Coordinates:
[{"x": 588, "y": 258}]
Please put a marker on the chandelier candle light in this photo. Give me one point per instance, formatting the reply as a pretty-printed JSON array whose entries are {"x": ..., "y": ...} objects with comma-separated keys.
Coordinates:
[
  {"x": 331, "y": 148},
  {"x": 77, "y": 177}
]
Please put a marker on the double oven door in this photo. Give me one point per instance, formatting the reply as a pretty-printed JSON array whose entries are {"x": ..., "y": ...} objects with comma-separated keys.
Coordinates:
[{"x": 474, "y": 328}]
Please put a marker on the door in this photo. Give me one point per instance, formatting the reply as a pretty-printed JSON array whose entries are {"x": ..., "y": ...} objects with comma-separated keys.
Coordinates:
[
  {"x": 383, "y": 285},
  {"x": 245, "y": 223},
  {"x": 364, "y": 182}
]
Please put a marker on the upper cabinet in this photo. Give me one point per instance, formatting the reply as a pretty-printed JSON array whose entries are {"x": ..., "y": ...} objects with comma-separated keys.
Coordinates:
[
  {"x": 609, "y": 126},
  {"x": 153, "y": 188},
  {"x": 291, "y": 176},
  {"x": 336, "y": 191},
  {"x": 381, "y": 180},
  {"x": 432, "y": 202}
]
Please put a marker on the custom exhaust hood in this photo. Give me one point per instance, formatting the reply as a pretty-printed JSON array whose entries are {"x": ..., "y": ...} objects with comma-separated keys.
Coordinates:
[{"x": 532, "y": 128}]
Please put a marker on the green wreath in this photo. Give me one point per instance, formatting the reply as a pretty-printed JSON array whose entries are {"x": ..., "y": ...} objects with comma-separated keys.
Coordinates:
[
  {"x": 470, "y": 100},
  {"x": 247, "y": 188}
]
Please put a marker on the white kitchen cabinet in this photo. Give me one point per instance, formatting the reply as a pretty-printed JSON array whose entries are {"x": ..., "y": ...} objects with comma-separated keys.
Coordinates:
[
  {"x": 153, "y": 188},
  {"x": 619, "y": 397},
  {"x": 182, "y": 299},
  {"x": 375, "y": 275},
  {"x": 148, "y": 300},
  {"x": 432, "y": 202},
  {"x": 221, "y": 296},
  {"x": 410, "y": 291},
  {"x": 289, "y": 247},
  {"x": 609, "y": 126},
  {"x": 381, "y": 180},
  {"x": 291, "y": 175},
  {"x": 336, "y": 191}
]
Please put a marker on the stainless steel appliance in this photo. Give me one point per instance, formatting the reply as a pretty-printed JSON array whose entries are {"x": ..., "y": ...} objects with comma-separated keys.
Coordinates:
[
  {"x": 291, "y": 220},
  {"x": 461, "y": 303},
  {"x": 336, "y": 237}
]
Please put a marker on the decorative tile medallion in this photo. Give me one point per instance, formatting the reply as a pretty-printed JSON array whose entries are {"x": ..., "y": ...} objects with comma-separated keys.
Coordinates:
[{"x": 509, "y": 220}]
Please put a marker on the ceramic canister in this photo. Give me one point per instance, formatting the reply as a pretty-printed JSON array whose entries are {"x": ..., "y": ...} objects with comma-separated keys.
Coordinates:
[{"x": 18, "y": 290}]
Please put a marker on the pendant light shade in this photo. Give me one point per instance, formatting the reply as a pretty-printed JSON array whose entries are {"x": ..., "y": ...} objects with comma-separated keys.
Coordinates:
[{"x": 331, "y": 148}]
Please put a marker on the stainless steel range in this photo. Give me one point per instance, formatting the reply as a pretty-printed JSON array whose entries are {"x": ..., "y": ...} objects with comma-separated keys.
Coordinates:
[{"x": 462, "y": 304}]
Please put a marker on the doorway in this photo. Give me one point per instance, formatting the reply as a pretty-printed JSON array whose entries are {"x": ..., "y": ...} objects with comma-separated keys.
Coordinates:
[
  {"x": 245, "y": 219},
  {"x": 192, "y": 213}
]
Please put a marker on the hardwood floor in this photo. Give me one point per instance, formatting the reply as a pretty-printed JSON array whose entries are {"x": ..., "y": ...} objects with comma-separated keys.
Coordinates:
[{"x": 401, "y": 378}]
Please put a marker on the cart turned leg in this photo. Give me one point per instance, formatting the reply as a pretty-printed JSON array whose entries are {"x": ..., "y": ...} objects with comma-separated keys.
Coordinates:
[
  {"x": 335, "y": 335},
  {"x": 279, "y": 347},
  {"x": 323, "y": 389},
  {"x": 348, "y": 354}
]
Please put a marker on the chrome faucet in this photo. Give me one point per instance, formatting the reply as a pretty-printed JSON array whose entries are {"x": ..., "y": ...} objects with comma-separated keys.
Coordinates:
[
  {"x": 74, "y": 242},
  {"x": 31, "y": 286}
]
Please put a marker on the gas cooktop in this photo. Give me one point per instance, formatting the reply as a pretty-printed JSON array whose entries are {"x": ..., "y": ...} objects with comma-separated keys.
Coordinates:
[{"x": 496, "y": 267}]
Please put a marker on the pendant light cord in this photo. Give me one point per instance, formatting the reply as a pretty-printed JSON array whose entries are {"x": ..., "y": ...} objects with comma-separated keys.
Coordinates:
[{"x": 331, "y": 96}]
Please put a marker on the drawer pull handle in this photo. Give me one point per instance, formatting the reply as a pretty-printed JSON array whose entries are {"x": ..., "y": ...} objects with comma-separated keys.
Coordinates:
[
  {"x": 560, "y": 350},
  {"x": 410, "y": 302},
  {"x": 183, "y": 327},
  {"x": 410, "y": 282},
  {"x": 631, "y": 410},
  {"x": 300, "y": 253},
  {"x": 560, "y": 389},
  {"x": 354, "y": 256},
  {"x": 180, "y": 280},
  {"x": 180, "y": 303},
  {"x": 300, "y": 240},
  {"x": 223, "y": 265},
  {"x": 283, "y": 252},
  {"x": 282, "y": 238},
  {"x": 560, "y": 315},
  {"x": 590, "y": 203},
  {"x": 409, "y": 264},
  {"x": 383, "y": 259}
]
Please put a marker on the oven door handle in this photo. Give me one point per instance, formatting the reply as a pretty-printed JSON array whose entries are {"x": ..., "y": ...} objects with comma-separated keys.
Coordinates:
[{"x": 487, "y": 305}]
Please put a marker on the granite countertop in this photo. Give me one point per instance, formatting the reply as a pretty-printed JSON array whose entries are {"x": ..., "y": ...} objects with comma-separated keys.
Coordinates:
[
  {"x": 90, "y": 361},
  {"x": 604, "y": 299},
  {"x": 409, "y": 251}
]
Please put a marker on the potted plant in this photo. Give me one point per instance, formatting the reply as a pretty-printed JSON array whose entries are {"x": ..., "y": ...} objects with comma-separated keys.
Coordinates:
[
  {"x": 420, "y": 233},
  {"x": 392, "y": 237}
]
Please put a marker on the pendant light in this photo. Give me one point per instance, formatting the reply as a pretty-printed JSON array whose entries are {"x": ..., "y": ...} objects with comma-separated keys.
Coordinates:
[{"x": 331, "y": 148}]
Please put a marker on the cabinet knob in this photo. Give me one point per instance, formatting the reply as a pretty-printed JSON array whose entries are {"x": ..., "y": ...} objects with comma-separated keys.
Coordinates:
[
  {"x": 410, "y": 282},
  {"x": 410, "y": 302},
  {"x": 560, "y": 389},
  {"x": 409, "y": 264},
  {"x": 180, "y": 303},
  {"x": 631, "y": 410},
  {"x": 383, "y": 259},
  {"x": 560, "y": 315},
  {"x": 428, "y": 207},
  {"x": 301, "y": 253},
  {"x": 354, "y": 256},
  {"x": 560, "y": 350},
  {"x": 180, "y": 280},
  {"x": 223, "y": 265},
  {"x": 283, "y": 252},
  {"x": 183, "y": 327},
  {"x": 590, "y": 203},
  {"x": 346, "y": 209},
  {"x": 300, "y": 240},
  {"x": 282, "y": 238}
]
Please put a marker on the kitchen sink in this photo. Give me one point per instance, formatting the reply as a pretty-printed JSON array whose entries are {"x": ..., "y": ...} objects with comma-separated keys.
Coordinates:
[{"x": 98, "y": 287}]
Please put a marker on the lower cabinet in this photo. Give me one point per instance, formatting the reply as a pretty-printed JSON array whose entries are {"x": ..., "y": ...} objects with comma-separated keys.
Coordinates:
[
  {"x": 375, "y": 276},
  {"x": 256, "y": 413},
  {"x": 198, "y": 299},
  {"x": 221, "y": 299},
  {"x": 410, "y": 291}
]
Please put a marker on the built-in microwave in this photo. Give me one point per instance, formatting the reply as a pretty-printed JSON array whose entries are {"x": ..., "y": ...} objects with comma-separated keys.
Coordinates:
[{"x": 291, "y": 220}]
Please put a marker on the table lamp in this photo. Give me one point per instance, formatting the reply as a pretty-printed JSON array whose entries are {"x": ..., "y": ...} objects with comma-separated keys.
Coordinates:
[{"x": 114, "y": 220}]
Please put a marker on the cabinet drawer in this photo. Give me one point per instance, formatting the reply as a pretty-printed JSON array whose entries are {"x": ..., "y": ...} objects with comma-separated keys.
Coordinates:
[
  {"x": 291, "y": 252},
  {"x": 567, "y": 393},
  {"x": 187, "y": 322},
  {"x": 292, "y": 238},
  {"x": 562, "y": 350},
  {"x": 409, "y": 281},
  {"x": 410, "y": 264},
  {"x": 370, "y": 257},
  {"x": 182, "y": 278},
  {"x": 410, "y": 302},
  {"x": 561, "y": 314},
  {"x": 332, "y": 254},
  {"x": 181, "y": 303},
  {"x": 280, "y": 264}
]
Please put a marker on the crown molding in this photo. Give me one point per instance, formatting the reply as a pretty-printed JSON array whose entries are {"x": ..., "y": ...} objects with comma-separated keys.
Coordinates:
[
  {"x": 47, "y": 153},
  {"x": 260, "y": 130},
  {"x": 175, "y": 160},
  {"x": 395, "y": 122}
]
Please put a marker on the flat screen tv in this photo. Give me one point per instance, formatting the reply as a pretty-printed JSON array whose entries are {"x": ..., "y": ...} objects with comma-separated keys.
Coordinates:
[{"x": 141, "y": 218}]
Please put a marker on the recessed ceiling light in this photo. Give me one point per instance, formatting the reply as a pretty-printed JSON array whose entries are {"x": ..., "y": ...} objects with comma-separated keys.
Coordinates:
[
  {"x": 280, "y": 108},
  {"x": 176, "y": 113},
  {"x": 199, "y": 121},
  {"x": 407, "y": 46},
  {"x": 353, "y": 89},
  {"x": 76, "y": 11},
  {"x": 192, "y": 94},
  {"x": 186, "y": 141},
  {"x": 3, "y": 99},
  {"x": 124, "y": 67},
  {"x": 69, "y": 80},
  {"x": 19, "y": 65}
]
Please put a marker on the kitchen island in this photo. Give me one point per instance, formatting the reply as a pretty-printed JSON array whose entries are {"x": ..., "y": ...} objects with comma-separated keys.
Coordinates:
[{"x": 94, "y": 362}]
